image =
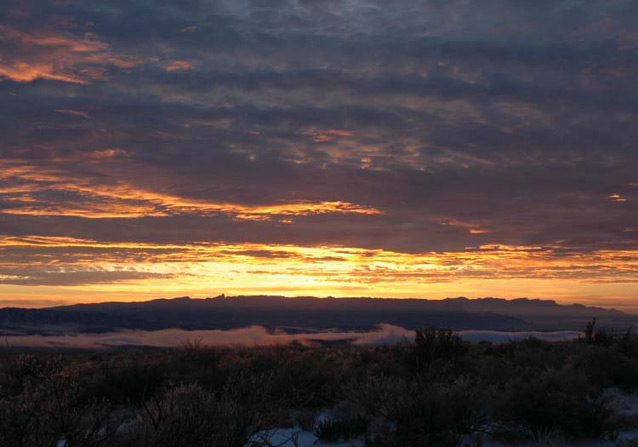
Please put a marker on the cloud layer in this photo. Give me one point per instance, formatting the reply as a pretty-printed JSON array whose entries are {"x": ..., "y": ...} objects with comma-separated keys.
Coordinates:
[
  {"x": 255, "y": 336},
  {"x": 410, "y": 148}
]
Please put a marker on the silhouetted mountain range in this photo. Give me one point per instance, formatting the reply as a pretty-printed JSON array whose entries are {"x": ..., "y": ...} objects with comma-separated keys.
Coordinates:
[{"x": 308, "y": 314}]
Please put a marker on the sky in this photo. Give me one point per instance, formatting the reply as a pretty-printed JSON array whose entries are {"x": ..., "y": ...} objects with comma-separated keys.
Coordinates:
[{"x": 412, "y": 148}]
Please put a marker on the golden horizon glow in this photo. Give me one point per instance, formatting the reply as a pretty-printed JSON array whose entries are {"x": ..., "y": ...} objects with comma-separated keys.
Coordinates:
[{"x": 129, "y": 269}]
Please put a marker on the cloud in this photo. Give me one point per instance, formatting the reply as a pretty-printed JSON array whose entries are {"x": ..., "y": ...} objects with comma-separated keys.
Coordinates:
[
  {"x": 409, "y": 133},
  {"x": 616, "y": 198},
  {"x": 51, "y": 54},
  {"x": 75, "y": 276},
  {"x": 177, "y": 66},
  {"x": 42, "y": 260},
  {"x": 75, "y": 113},
  {"x": 323, "y": 136},
  {"x": 255, "y": 336}
]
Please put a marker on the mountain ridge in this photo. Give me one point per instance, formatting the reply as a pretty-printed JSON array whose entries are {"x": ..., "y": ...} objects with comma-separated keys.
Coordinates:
[{"x": 311, "y": 313}]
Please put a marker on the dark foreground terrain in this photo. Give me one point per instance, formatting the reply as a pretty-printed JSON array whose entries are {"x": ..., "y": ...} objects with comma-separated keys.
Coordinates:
[{"x": 435, "y": 391}]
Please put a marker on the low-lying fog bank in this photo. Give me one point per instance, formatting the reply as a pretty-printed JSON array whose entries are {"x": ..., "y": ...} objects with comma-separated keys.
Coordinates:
[{"x": 257, "y": 336}]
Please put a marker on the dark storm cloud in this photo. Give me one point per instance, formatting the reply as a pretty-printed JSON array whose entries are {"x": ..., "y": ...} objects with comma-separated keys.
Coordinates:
[{"x": 462, "y": 123}]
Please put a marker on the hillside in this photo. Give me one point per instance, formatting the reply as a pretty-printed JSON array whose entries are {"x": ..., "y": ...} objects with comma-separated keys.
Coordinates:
[{"x": 308, "y": 314}]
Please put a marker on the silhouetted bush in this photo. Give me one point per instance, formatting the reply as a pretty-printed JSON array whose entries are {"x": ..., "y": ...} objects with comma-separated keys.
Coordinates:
[
  {"x": 420, "y": 412},
  {"x": 558, "y": 400},
  {"x": 429, "y": 392},
  {"x": 600, "y": 337},
  {"x": 129, "y": 381},
  {"x": 333, "y": 430},
  {"x": 50, "y": 408},
  {"x": 189, "y": 416},
  {"x": 628, "y": 344},
  {"x": 609, "y": 367},
  {"x": 432, "y": 343}
]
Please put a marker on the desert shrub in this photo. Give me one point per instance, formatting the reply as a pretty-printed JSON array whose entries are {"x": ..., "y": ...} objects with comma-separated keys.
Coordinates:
[
  {"x": 597, "y": 336},
  {"x": 523, "y": 360},
  {"x": 128, "y": 381},
  {"x": 20, "y": 424},
  {"x": 609, "y": 367},
  {"x": 375, "y": 396},
  {"x": 50, "y": 408},
  {"x": 557, "y": 400},
  {"x": 421, "y": 393},
  {"x": 306, "y": 380},
  {"x": 193, "y": 346},
  {"x": 436, "y": 414},
  {"x": 184, "y": 416},
  {"x": 422, "y": 413},
  {"x": 548, "y": 437},
  {"x": 432, "y": 343},
  {"x": 302, "y": 377},
  {"x": 189, "y": 416},
  {"x": 530, "y": 355},
  {"x": 334, "y": 430},
  {"x": 305, "y": 419},
  {"x": 437, "y": 439},
  {"x": 628, "y": 344}
]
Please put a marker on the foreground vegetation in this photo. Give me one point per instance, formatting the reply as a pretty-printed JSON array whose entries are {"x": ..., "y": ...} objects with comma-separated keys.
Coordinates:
[{"x": 429, "y": 392}]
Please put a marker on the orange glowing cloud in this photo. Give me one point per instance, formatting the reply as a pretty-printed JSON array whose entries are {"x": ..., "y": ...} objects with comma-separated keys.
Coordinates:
[
  {"x": 322, "y": 136},
  {"x": 178, "y": 66},
  {"x": 121, "y": 199},
  {"x": 164, "y": 205},
  {"x": 367, "y": 265},
  {"x": 21, "y": 71},
  {"x": 74, "y": 113},
  {"x": 616, "y": 198},
  {"x": 109, "y": 153},
  {"x": 102, "y": 267},
  {"x": 53, "y": 55},
  {"x": 472, "y": 228},
  {"x": 86, "y": 43}
]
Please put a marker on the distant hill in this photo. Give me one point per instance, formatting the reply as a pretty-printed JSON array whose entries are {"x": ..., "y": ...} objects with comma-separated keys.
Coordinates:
[
  {"x": 545, "y": 314},
  {"x": 309, "y": 314}
]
